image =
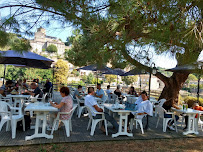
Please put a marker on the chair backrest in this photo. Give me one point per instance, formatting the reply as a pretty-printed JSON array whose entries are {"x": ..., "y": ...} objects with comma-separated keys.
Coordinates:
[
  {"x": 4, "y": 108},
  {"x": 114, "y": 98},
  {"x": 72, "y": 110},
  {"x": 78, "y": 101},
  {"x": 44, "y": 97},
  {"x": 161, "y": 102},
  {"x": 89, "y": 111},
  {"x": 160, "y": 111}
]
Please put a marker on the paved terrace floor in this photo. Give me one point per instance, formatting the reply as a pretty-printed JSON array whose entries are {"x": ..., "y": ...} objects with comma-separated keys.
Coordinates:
[{"x": 80, "y": 134}]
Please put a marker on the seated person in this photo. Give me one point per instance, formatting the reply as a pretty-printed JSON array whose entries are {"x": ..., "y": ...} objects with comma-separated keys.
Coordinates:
[
  {"x": 145, "y": 107},
  {"x": 65, "y": 105},
  {"x": 195, "y": 106},
  {"x": 2, "y": 92},
  {"x": 36, "y": 90},
  {"x": 108, "y": 92},
  {"x": 47, "y": 86},
  {"x": 167, "y": 106},
  {"x": 77, "y": 93},
  {"x": 24, "y": 84},
  {"x": 19, "y": 83},
  {"x": 118, "y": 91},
  {"x": 100, "y": 92},
  {"x": 8, "y": 88},
  {"x": 92, "y": 104},
  {"x": 132, "y": 91}
]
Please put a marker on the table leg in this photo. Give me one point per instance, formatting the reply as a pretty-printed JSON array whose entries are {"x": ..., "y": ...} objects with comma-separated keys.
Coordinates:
[
  {"x": 40, "y": 116},
  {"x": 191, "y": 125},
  {"x": 123, "y": 116}
]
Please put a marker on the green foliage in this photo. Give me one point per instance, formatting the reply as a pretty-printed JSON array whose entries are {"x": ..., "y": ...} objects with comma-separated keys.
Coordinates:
[
  {"x": 15, "y": 73},
  {"x": 129, "y": 79},
  {"x": 77, "y": 83},
  {"x": 10, "y": 41},
  {"x": 110, "y": 78},
  {"x": 61, "y": 71},
  {"x": 75, "y": 73},
  {"x": 90, "y": 79},
  {"x": 52, "y": 48},
  {"x": 191, "y": 77},
  {"x": 191, "y": 100}
]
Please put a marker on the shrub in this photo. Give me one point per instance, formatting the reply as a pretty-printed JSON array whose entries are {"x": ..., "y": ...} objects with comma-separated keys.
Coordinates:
[
  {"x": 52, "y": 48},
  {"x": 191, "y": 100}
]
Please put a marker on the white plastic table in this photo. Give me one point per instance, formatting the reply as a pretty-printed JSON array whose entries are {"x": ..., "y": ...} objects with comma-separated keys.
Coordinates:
[
  {"x": 41, "y": 110},
  {"x": 19, "y": 97},
  {"x": 123, "y": 116},
  {"x": 191, "y": 113}
]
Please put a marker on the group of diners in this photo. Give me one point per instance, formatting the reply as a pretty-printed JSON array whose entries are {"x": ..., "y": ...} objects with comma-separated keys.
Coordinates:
[
  {"x": 144, "y": 106},
  {"x": 21, "y": 87}
]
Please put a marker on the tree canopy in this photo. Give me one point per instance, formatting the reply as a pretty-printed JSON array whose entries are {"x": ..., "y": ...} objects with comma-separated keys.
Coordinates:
[
  {"x": 129, "y": 79},
  {"x": 61, "y": 71},
  {"x": 52, "y": 48}
]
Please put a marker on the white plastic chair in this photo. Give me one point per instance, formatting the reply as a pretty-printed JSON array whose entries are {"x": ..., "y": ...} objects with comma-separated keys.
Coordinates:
[
  {"x": 161, "y": 112},
  {"x": 74, "y": 100},
  {"x": 80, "y": 108},
  {"x": 43, "y": 98},
  {"x": 7, "y": 116},
  {"x": 67, "y": 123},
  {"x": 161, "y": 102},
  {"x": 95, "y": 121},
  {"x": 137, "y": 120},
  {"x": 50, "y": 93},
  {"x": 114, "y": 97},
  {"x": 6, "y": 99}
]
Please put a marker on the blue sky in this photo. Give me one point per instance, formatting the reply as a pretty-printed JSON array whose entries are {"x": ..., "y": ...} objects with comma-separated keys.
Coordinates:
[{"x": 165, "y": 60}]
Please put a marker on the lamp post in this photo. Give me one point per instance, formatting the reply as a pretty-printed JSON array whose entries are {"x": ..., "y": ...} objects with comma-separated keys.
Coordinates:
[
  {"x": 200, "y": 67},
  {"x": 153, "y": 71}
]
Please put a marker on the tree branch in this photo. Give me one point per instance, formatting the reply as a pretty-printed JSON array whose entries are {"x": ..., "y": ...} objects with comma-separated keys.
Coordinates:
[{"x": 141, "y": 66}]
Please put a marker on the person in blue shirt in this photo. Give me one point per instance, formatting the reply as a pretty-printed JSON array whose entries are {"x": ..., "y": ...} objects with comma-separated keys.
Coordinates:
[{"x": 100, "y": 93}]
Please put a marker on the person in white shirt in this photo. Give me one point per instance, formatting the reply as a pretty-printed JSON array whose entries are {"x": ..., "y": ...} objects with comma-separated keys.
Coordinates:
[
  {"x": 92, "y": 104},
  {"x": 100, "y": 92},
  {"x": 138, "y": 101},
  {"x": 145, "y": 107}
]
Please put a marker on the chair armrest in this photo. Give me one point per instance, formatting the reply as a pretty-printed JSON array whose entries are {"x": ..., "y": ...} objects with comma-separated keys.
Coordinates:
[
  {"x": 98, "y": 113},
  {"x": 64, "y": 113},
  {"x": 170, "y": 113},
  {"x": 15, "y": 108},
  {"x": 6, "y": 112}
]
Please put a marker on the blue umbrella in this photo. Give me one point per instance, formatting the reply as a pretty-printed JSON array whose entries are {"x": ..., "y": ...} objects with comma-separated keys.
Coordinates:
[
  {"x": 116, "y": 71},
  {"x": 24, "y": 59},
  {"x": 28, "y": 59},
  {"x": 97, "y": 67},
  {"x": 135, "y": 71}
]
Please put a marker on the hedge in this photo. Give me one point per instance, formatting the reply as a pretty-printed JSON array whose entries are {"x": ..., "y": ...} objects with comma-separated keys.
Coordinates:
[{"x": 191, "y": 100}]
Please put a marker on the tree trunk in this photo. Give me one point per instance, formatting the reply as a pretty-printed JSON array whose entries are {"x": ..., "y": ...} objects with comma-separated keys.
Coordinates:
[{"x": 173, "y": 86}]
